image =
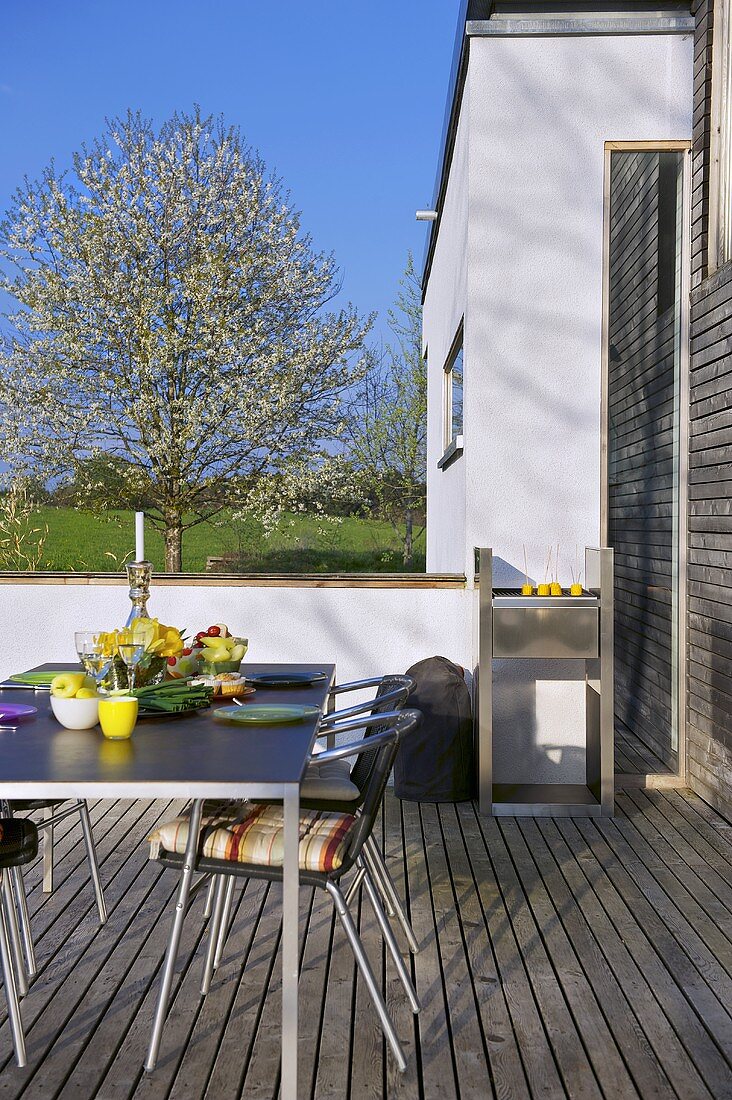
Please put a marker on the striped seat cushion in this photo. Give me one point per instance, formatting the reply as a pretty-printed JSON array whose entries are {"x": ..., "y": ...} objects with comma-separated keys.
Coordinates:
[{"x": 255, "y": 835}]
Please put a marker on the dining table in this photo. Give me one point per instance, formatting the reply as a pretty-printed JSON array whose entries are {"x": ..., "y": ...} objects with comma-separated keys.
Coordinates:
[{"x": 194, "y": 757}]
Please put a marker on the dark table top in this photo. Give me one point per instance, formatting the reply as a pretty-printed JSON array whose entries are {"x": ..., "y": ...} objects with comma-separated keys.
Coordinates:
[{"x": 190, "y": 757}]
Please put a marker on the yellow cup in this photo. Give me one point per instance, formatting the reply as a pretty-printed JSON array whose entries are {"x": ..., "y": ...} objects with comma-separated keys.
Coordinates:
[{"x": 117, "y": 716}]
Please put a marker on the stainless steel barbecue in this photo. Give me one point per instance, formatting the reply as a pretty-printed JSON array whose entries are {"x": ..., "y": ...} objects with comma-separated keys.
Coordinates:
[{"x": 512, "y": 626}]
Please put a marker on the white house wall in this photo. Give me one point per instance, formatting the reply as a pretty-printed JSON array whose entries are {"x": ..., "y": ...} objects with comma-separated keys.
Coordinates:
[
  {"x": 444, "y": 309},
  {"x": 540, "y": 111}
]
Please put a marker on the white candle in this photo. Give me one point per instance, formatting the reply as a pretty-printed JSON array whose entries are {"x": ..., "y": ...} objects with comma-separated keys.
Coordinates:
[{"x": 139, "y": 536}]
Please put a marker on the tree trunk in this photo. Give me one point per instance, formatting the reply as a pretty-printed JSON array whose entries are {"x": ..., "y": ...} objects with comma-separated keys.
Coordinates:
[
  {"x": 173, "y": 543},
  {"x": 408, "y": 538}
]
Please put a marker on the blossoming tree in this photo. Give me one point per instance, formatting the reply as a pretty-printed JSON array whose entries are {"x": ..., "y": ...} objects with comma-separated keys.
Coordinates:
[
  {"x": 386, "y": 432},
  {"x": 173, "y": 320}
]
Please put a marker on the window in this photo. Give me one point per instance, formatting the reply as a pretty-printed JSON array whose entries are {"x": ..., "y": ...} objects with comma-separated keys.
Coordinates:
[
  {"x": 453, "y": 401},
  {"x": 720, "y": 187}
]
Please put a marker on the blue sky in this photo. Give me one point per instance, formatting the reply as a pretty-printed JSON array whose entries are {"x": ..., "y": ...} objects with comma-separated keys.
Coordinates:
[{"x": 345, "y": 101}]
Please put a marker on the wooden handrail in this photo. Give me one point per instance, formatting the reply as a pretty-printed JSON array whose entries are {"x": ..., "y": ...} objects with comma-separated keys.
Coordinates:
[{"x": 250, "y": 580}]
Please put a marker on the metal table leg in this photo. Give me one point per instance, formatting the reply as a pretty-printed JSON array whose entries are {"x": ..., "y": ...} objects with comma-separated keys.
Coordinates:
[{"x": 290, "y": 939}]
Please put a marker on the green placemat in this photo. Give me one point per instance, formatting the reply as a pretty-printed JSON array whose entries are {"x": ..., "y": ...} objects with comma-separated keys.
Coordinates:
[{"x": 36, "y": 679}]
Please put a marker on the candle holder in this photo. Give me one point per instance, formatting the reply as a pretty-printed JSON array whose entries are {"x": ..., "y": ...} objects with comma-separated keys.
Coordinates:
[{"x": 138, "y": 576}]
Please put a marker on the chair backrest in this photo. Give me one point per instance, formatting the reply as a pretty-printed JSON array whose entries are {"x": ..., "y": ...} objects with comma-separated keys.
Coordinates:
[
  {"x": 391, "y": 695},
  {"x": 400, "y": 725}
]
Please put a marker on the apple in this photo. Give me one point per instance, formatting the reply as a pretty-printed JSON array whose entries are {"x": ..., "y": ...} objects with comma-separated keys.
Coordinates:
[
  {"x": 212, "y": 656},
  {"x": 67, "y": 684},
  {"x": 86, "y": 693}
]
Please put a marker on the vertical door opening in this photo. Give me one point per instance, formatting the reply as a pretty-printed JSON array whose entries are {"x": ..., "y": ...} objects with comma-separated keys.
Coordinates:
[{"x": 645, "y": 379}]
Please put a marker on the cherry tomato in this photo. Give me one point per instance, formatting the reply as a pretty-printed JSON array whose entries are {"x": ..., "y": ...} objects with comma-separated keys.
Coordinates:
[
  {"x": 172, "y": 660},
  {"x": 213, "y": 631},
  {"x": 186, "y": 652},
  {"x": 201, "y": 634}
]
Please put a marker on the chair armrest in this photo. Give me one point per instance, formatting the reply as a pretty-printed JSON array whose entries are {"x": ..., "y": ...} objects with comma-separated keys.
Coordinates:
[
  {"x": 402, "y": 721},
  {"x": 349, "y": 712},
  {"x": 355, "y": 685},
  {"x": 366, "y": 744},
  {"x": 394, "y": 697}
]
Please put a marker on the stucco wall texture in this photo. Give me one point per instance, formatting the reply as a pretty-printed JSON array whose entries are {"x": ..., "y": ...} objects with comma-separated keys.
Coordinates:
[
  {"x": 520, "y": 254},
  {"x": 365, "y": 631}
]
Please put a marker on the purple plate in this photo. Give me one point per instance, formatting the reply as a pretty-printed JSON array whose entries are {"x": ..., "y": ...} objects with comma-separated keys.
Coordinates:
[{"x": 16, "y": 710}]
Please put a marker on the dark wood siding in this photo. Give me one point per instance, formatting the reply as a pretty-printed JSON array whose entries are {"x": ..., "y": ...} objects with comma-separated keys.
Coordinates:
[
  {"x": 703, "y": 9},
  {"x": 641, "y": 393},
  {"x": 709, "y": 717},
  {"x": 709, "y": 729}
]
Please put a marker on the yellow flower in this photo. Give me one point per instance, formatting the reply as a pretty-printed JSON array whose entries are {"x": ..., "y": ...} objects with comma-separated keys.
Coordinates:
[
  {"x": 164, "y": 641},
  {"x": 144, "y": 631},
  {"x": 172, "y": 643}
]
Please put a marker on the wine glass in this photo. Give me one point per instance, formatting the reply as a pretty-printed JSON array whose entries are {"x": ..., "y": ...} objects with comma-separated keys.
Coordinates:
[
  {"x": 131, "y": 653},
  {"x": 90, "y": 649}
]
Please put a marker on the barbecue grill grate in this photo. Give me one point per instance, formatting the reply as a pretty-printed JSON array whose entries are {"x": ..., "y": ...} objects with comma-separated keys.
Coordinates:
[{"x": 517, "y": 592}]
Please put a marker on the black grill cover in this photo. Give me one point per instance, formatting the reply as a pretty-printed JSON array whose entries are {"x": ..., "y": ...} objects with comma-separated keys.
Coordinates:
[{"x": 435, "y": 763}]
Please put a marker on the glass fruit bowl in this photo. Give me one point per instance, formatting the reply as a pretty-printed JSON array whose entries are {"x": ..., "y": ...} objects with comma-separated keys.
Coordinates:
[{"x": 220, "y": 652}]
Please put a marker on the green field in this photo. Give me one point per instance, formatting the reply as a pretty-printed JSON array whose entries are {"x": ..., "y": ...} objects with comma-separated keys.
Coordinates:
[{"x": 81, "y": 542}]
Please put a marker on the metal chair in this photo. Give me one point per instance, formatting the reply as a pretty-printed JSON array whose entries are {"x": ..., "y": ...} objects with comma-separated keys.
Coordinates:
[
  {"x": 18, "y": 846},
  {"x": 378, "y": 752},
  {"x": 51, "y": 818},
  {"x": 343, "y": 791},
  {"x": 392, "y": 692}
]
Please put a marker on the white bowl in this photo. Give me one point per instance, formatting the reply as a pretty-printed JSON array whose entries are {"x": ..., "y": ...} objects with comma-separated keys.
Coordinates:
[{"x": 75, "y": 714}]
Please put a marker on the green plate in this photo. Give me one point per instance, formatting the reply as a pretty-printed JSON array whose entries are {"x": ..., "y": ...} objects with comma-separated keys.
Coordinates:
[
  {"x": 262, "y": 714},
  {"x": 36, "y": 679}
]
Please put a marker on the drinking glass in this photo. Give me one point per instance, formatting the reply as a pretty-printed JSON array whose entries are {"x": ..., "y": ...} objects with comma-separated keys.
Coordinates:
[
  {"x": 117, "y": 716},
  {"x": 90, "y": 650},
  {"x": 131, "y": 653}
]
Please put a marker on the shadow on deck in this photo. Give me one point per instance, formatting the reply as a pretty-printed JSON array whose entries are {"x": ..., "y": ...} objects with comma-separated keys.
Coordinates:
[{"x": 559, "y": 958}]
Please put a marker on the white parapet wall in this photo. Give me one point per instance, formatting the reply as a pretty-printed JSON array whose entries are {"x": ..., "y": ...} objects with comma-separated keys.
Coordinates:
[{"x": 365, "y": 630}]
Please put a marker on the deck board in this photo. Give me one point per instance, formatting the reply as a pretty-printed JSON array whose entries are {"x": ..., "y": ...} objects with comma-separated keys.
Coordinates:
[
  {"x": 633, "y": 756},
  {"x": 560, "y": 958}
]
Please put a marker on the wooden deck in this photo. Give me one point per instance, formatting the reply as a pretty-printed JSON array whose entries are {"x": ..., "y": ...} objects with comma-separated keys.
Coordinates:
[
  {"x": 633, "y": 758},
  {"x": 559, "y": 959}
]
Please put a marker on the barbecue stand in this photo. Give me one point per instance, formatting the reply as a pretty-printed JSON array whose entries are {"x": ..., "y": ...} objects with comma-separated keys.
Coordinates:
[{"x": 515, "y": 627}]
